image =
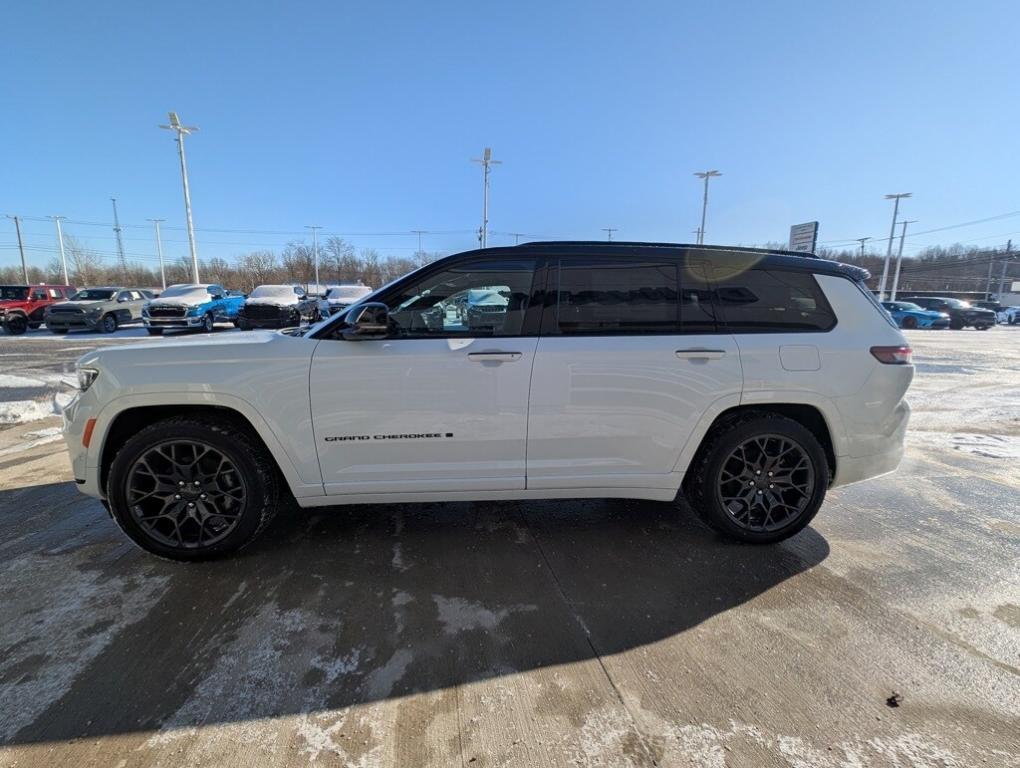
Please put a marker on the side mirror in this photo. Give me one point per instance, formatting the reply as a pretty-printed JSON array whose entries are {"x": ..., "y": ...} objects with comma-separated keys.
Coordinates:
[{"x": 368, "y": 322}]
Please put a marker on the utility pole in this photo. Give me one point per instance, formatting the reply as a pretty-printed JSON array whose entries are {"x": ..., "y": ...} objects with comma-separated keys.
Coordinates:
[
  {"x": 60, "y": 243},
  {"x": 892, "y": 235},
  {"x": 485, "y": 161},
  {"x": 21, "y": 247},
  {"x": 182, "y": 131},
  {"x": 315, "y": 252},
  {"x": 609, "y": 233},
  {"x": 121, "y": 259},
  {"x": 899, "y": 259},
  {"x": 517, "y": 237},
  {"x": 419, "y": 232},
  {"x": 706, "y": 175},
  {"x": 159, "y": 250},
  {"x": 988, "y": 282},
  {"x": 862, "y": 241},
  {"x": 1005, "y": 261}
]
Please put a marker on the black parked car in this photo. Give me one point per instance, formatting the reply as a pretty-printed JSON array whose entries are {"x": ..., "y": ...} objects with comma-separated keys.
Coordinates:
[
  {"x": 961, "y": 313},
  {"x": 280, "y": 306}
]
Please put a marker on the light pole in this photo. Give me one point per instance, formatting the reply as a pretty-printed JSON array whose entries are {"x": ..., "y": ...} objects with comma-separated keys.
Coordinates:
[
  {"x": 609, "y": 233},
  {"x": 899, "y": 259},
  {"x": 315, "y": 252},
  {"x": 182, "y": 131},
  {"x": 706, "y": 175},
  {"x": 159, "y": 250},
  {"x": 60, "y": 242},
  {"x": 485, "y": 161},
  {"x": 892, "y": 235},
  {"x": 21, "y": 247},
  {"x": 862, "y": 241}
]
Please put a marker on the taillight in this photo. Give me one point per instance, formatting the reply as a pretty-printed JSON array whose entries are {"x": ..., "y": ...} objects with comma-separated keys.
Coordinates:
[{"x": 892, "y": 355}]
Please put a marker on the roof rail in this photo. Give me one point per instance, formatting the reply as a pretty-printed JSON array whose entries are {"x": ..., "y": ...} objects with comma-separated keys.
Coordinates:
[{"x": 611, "y": 243}]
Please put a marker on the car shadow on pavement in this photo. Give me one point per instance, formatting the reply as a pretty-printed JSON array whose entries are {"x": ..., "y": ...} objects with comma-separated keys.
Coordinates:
[{"x": 341, "y": 607}]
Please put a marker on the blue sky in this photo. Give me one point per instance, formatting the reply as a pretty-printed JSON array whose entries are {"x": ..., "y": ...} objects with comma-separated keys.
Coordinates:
[{"x": 362, "y": 118}]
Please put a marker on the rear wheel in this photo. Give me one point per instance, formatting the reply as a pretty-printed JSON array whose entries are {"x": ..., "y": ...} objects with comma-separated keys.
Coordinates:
[
  {"x": 759, "y": 478},
  {"x": 190, "y": 490},
  {"x": 244, "y": 325},
  {"x": 956, "y": 325}
]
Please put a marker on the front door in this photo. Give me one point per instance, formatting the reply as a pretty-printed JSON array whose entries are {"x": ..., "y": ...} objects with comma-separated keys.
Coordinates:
[
  {"x": 629, "y": 361},
  {"x": 441, "y": 405}
]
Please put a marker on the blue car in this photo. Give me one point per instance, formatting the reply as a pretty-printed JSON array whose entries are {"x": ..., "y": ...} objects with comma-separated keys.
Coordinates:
[
  {"x": 198, "y": 306},
  {"x": 909, "y": 315}
]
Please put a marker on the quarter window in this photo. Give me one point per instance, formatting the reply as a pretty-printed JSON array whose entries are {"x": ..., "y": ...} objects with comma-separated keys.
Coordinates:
[
  {"x": 772, "y": 300},
  {"x": 471, "y": 299},
  {"x": 616, "y": 297}
]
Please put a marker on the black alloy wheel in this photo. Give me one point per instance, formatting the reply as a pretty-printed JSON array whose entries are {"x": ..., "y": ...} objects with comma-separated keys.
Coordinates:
[
  {"x": 108, "y": 324},
  {"x": 190, "y": 489},
  {"x": 766, "y": 482},
  {"x": 16, "y": 325},
  {"x": 208, "y": 323}
]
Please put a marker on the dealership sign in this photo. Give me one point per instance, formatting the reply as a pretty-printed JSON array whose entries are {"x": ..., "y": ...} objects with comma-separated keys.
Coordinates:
[{"x": 803, "y": 237}]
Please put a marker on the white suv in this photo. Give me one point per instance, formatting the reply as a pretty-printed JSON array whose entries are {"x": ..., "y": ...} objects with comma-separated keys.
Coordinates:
[{"x": 751, "y": 381}]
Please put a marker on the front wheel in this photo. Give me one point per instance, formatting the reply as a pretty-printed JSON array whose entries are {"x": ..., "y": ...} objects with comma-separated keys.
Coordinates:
[
  {"x": 186, "y": 489},
  {"x": 759, "y": 478},
  {"x": 208, "y": 324},
  {"x": 16, "y": 325},
  {"x": 909, "y": 322}
]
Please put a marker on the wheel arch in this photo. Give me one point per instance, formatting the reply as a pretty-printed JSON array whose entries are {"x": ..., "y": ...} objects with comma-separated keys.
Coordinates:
[
  {"x": 807, "y": 415},
  {"x": 128, "y": 419}
]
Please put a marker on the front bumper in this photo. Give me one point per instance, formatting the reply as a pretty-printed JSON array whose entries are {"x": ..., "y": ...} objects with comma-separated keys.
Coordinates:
[
  {"x": 172, "y": 322},
  {"x": 72, "y": 321}
]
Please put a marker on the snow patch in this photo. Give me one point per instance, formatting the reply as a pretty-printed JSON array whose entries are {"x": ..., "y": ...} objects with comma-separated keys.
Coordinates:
[
  {"x": 459, "y": 615},
  {"x": 22, "y": 411},
  {"x": 989, "y": 446}
]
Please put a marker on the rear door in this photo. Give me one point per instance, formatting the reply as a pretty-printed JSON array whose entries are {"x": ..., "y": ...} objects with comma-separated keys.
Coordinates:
[{"x": 629, "y": 361}]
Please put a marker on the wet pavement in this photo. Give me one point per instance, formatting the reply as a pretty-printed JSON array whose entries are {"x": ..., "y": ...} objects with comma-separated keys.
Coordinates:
[{"x": 601, "y": 633}]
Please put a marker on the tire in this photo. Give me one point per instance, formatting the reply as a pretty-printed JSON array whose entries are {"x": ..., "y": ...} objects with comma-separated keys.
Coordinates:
[
  {"x": 58, "y": 331},
  {"x": 16, "y": 325},
  {"x": 107, "y": 324},
  {"x": 248, "y": 488},
  {"x": 956, "y": 325},
  {"x": 706, "y": 485},
  {"x": 243, "y": 325},
  {"x": 208, "y": 323},
  {"x": 909, "y": 322},
  {"x": 155, "y": 331}
]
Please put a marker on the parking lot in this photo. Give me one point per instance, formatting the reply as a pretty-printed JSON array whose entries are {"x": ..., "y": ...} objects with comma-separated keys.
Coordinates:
[{"x": 587, "y": 633}]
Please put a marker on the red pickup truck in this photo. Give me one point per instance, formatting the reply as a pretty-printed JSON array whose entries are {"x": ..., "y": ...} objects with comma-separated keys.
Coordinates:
[{"x": 22, "y": 306}]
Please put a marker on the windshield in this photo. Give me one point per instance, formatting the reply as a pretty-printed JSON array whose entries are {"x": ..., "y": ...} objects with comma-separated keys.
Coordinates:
[
  {"x": 93, "y": 294},
  {"x": 348, "y": 292},
  {"x": 275, "y": 292},
  {"x": 190, "y": 291},
  {"x": 17, "y": 292},
  {"x": 905, "y": 306}
]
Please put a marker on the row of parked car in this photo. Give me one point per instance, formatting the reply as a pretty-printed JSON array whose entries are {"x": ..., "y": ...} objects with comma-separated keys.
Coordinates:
[
  {"x": 196, "y": 306},
  {"x": 943, "y": 312}
]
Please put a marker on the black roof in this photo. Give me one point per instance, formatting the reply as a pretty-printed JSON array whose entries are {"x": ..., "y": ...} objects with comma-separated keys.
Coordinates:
[{"x": 798, "y": 260}]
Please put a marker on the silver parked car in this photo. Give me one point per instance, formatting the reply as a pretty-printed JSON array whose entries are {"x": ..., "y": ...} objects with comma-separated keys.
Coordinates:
[{"x": 97, "y": 309}]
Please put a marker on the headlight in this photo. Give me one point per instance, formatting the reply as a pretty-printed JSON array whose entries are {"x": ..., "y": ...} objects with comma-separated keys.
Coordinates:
[
  {"x": 192, "y": 311},
  {"x": 85, "y": 377},
  {"x": 94, "y": 311}
]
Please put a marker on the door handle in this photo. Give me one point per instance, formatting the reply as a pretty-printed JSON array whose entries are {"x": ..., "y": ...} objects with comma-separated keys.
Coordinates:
[
  {"x": 700, "y": 354},
  {"x": 494, "y": 357}
]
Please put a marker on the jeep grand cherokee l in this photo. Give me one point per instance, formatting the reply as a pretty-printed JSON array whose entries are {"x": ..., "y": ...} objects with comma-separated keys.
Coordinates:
[{"x": 750, "y": 381}]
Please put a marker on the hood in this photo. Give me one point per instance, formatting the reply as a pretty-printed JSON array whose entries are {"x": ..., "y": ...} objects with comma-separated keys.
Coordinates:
[
  {"x": 273, "y": 301},
  {"x": 181, "y": 301},
  {"x": 82, "y": 303}
]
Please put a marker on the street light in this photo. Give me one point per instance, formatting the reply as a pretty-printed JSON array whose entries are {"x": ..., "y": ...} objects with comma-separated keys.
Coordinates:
[
  {"x": 899, "y": 259},
  {"x": 892, "y": 235},
  {"x": 182, "y": 131},
  {"x": 485, "y": 161},
  {"x": 706, "y": 175},
  {"x": 315, "y": 252}
]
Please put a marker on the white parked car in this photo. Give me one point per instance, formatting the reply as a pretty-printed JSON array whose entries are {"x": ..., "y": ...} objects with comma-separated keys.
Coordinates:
[
  {"x": 748, "y": 381},
  {"x": 340, "y": 297},
  {"x": 1008, "y": 316}
]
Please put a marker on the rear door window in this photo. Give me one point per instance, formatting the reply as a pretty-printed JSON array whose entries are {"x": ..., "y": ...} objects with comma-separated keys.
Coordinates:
[
  {"x": 760, "y": 300},
  {"x": 613, "y": 296}
]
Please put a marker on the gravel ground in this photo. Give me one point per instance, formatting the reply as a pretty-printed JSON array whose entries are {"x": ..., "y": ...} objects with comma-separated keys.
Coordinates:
[{"x": 596, "y": 633}]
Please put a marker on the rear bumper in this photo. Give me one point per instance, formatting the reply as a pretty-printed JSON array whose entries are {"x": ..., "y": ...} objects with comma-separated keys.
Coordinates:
[{"x": 850, "y": 469}]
